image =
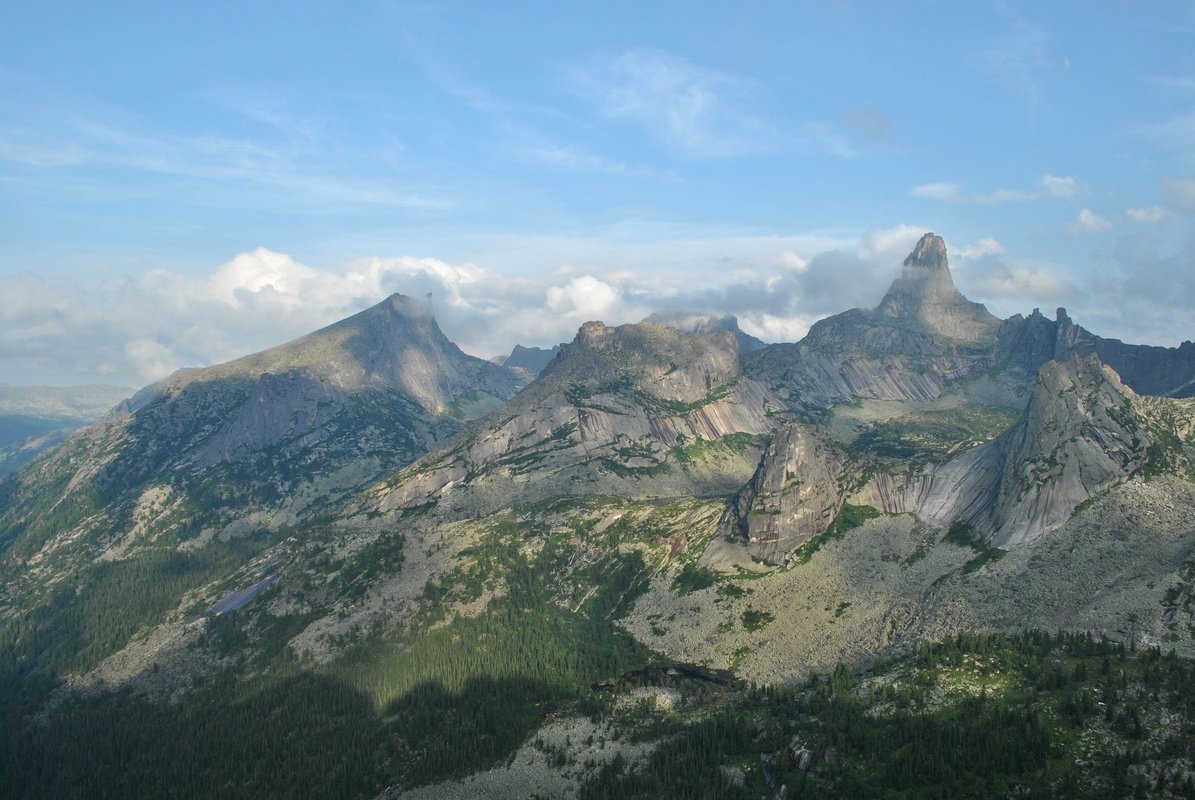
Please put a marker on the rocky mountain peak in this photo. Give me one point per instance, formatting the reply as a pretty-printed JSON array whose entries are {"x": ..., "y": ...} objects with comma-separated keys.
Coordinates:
[
  {"x": 708, "y": 323},
  {"x": 529, "y": 361},
  {"x": 409, "y": 307},
  {"x": 594, "y": 334},
  {"x": 929, "y": 254},
  {"x": 926, "y": 293}
]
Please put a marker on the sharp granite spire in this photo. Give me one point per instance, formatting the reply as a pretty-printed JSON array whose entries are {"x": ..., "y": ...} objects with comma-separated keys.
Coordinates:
[{"x": 925, "y": 291}]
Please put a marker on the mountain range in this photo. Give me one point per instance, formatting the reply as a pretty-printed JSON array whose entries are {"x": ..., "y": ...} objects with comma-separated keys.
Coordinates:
[{"x": 368, "y": 513}]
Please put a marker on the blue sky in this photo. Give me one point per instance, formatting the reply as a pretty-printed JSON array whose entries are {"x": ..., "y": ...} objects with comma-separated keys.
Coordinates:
[{"x": 184, "y": 183}]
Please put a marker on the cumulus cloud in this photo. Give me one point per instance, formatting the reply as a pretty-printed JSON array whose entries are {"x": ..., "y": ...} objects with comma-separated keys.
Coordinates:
[
  {"x": 140, "y": 328},
  {"x": 1022, "y": 283},
  {"x": 984, "y": 271},
  {"x": 585, "y": 296},
  {"x": 1089, "y": 222},
  {"x": 259, "y": 271},
  {"x": 1054, "y": 186},
  {"x": 986, "y": 246}
]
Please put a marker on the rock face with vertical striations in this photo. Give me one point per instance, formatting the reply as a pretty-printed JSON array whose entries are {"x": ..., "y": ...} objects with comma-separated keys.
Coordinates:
[
  {"x": 793, "y": 496},
  {"x": 1083, "y": 432}
]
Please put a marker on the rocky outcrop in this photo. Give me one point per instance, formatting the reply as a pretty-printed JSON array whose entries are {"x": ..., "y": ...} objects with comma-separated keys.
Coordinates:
[
  {"x": 1082, "y": 432},
  {"x": 1025, "y": 343},
  {"x": 794, "y": 495},
  {"x": 697, "y": 323},
  {"x": 530, "y": 361},
  {"x": 925, "y": 292},
  {"x": 638, "y": 410}
]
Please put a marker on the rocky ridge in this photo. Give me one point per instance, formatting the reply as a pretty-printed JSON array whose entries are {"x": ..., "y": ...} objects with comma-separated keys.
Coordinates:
[
  {"x": 1083, "y": 432},
  {"x": 635, "y": 410},
  {"x": 263, "y": 440}
]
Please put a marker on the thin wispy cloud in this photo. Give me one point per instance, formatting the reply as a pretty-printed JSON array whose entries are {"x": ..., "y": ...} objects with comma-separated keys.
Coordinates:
[
  {"x": 1176, "y": 134},
  {"x": 686, "y": 107},
  {"x": 288, "y": 167},
  {"x": 1049, "y": 186},
  {"x": 870, "y": 126},
  {"x": 1178, "y": 193},
  {"x": 1017, "y": 60},
  {"x": 1152, "y": 215}
]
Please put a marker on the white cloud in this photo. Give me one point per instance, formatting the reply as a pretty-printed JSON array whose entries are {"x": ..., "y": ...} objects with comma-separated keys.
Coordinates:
[
  {"x": 1089, "y": 222},
  {"x": 882, "y": 244},
  {"x": 585, "y": 296},
  {"x": 793, "y": 261},
  {"x": 150, "y": 359},
  {"x": 986, "y": 246},
  {"x": 1054, "y": 186},
  {"x": 938, "y": 191},
  {"x": 1022, "y": 283},
  {"x": 1148, "y": 216},
  {"x": 259, "y": 271},
  {"x": 137, "y": 329},
  {"x": 1049, "y": 186}
]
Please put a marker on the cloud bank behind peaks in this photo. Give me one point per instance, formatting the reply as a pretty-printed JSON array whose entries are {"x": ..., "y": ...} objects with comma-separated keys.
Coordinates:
[{"x": 138, "y": 329}]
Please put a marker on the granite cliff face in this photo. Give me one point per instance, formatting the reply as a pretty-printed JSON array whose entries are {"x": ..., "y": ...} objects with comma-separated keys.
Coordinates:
[
  {"x": 1082, "y": 433},
  {"x": 794, "y": 495},
  {"x": 635, "y": 410},
  {"x": 1029, "y": 342}
]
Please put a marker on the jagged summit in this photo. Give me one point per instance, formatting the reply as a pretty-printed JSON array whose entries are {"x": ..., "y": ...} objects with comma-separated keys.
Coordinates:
[
  {"x": 529, "y": 361},
  {"x": 707, "y": 323},
  {"x": 925, "y": 292},
  {"x": 930, "y": 254},
  {"x": 1028, "y": 342}
]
